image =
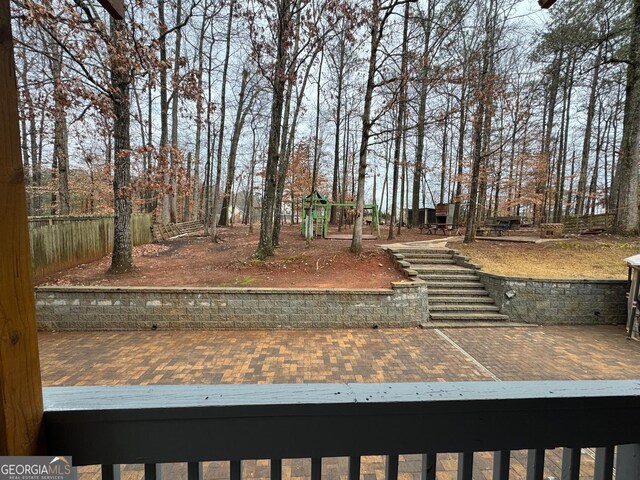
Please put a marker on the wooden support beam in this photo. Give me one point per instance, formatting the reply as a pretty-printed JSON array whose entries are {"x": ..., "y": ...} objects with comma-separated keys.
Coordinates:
[
  {"x": 546, "y": 3},
  {"x": 114, "y": 7},
  {"x": 20, "y": 384}
]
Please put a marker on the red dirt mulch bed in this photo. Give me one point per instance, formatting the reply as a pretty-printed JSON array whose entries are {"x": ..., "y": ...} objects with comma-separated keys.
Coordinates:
[{"x": 195, "y": 261}]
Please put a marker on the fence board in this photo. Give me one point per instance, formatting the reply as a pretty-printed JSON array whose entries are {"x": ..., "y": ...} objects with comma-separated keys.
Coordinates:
[
  {"x": 62, "y": 242},
  {"x": 587, "y": 222}
]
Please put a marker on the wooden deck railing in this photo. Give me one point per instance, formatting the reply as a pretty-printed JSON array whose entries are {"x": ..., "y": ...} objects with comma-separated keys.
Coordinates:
[{"x": 151, "y": 425}]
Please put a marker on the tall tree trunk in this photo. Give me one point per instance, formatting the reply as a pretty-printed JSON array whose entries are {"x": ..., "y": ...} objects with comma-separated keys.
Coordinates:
[
  {"x": 498, "y": 176},
  {"x": 122, "y": 257},
  {"x": 265, "y": 243},
  {"x": 283, "y": 167},
  {"x": 287, "y": 141},
  {"x": 586, "y": 145},
  {"x": 25, "y": 110},
  {"x": 487, "y": 126},
  {"x": 336, "y": 150},
  {"x": 443, "y": 156},
  {"x": 163, "y": 163},
  {"x": 316, "y": 142},
  {"x": 523, "y": 150},
  {"x": 396, "y": 165},
  {"x": 150, "y": 200},
  {"x": 479, "y": 129},
  {"x": 470, "y": 232},
  {"x": 403, "y": 179},
  {"x": 627, "y": 171},
  {"x": 591, "y": 199},
  {"x": 248, "y": 213},
  {"x": 36, "y": 157},
  {"x": 142, "y": 194},
  {"x": 460, "y": 153},
  {"x": 223, "y": 101},
  {"x": 195, "y": 214},
  {"x": 176, "y": 157},
  {"x": 376, "y": 34},
  {"x": 241, "y": 113},
  {"x": 563, "y": 147},
  {"x": 546, "y": 144},
  {"x": 402, "y": 107},
  {"x": 385, "y": 183},
  {"x": 422, "y": 108},
  {"x": 561, "y": 157},
  {"x": 612, "y": 198},
  {"x": 512, "y": 155},
  {"x": 60, "y": 133},
  {"x": 210, "y": 149},
  {"x": 345, "y": 163},
  {"x": 489, "y": 110},
  {"x": 186, "y": 214},
  {"x": 567, "y": 209}
]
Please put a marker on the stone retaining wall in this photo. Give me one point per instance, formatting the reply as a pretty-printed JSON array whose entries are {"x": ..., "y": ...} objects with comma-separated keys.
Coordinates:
[
  {"x": 140, "y": 308},
  {"x": 558, "y": 301}
]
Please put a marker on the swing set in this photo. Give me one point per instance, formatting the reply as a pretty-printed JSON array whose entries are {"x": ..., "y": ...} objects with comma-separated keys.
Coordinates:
[{"x": 316, "y": 210}]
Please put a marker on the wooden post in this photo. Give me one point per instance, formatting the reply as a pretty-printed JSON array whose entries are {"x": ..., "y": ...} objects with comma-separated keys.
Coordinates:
[{"x": 20, "y": 384}]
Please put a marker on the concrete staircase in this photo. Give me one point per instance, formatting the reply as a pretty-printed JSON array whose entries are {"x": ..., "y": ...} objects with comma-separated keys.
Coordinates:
[{"x": 455, "y": 291}]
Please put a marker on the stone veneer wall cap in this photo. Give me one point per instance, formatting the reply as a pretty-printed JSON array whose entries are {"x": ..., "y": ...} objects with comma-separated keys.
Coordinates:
[
  {"x": 552, "y": 280},
  {"x": 257, "y": 290}
]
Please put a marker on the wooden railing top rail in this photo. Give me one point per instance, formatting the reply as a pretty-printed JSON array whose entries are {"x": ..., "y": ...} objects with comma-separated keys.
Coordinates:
[{"x": 160, "y": 424}]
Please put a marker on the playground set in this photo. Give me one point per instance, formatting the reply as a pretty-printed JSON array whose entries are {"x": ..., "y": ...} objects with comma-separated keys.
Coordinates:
[{"x": 316, "y": 211}]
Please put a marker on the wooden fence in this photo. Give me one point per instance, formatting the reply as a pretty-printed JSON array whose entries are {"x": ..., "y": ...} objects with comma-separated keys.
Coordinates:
[
  {"x": 588, "y": 222},
  {"x": 64, "y": 241}
]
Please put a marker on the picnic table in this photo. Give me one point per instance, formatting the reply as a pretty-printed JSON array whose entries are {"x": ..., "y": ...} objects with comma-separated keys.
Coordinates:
[
  {"x": 500, "y": 228},
  {"x": 446, "y": 228}
]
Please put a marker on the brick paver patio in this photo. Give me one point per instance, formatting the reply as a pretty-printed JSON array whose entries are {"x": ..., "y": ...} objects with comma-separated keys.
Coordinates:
[{"x": 402, "y": 355}]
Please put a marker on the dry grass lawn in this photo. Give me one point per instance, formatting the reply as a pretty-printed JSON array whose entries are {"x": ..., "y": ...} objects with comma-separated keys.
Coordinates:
[{"x": 589, "y": 257}]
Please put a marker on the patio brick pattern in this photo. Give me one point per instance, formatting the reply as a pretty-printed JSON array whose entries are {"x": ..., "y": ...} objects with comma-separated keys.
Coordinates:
[{"x": 331, "y": 356}]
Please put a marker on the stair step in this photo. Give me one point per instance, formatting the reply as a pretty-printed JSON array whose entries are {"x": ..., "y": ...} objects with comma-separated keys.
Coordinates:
[
  {"x": 426, "y": 260},
  {"x": 425, "y": 251},
  {"x": 429, "y": 261},
  {"x": 451, "y": 279},
  {"x": 442, "y": 292},
  {"x": 438, "y": 283},
  {"x": 455, "y": 293},
  {"x": 466, "y": 308},
  {"x": 469, "y": 316},
  {"x": 443, "y": 270},
  {"x": 464, "y": 298},
  {"x": 426, "y": 255}
]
